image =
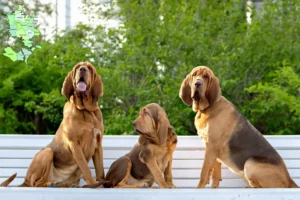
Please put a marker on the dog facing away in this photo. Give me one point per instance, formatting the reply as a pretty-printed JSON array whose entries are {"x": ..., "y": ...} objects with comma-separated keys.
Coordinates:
[
  {"x": 229, "y": 137},
  {"x": 151, "y": 158},
  {"x": 78, "y": 138}
]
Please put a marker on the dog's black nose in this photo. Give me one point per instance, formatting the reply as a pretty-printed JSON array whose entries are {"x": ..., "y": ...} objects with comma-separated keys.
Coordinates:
[
  {"x": 82, "y": 69},
  {"x": 198, "y": 84}
]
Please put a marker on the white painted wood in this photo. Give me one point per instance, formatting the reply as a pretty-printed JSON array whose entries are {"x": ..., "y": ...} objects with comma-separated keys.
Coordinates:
[
  {"x": 182, "y": 183},
  {"x": 17, "y": 151},
  {"x": 177, "y": 173},
  {"x": 147, "y": 194},
  {"x": 116, "y": 153},
  {"x": 123, "y": 142},
  {"x": 177, "y": 164}
]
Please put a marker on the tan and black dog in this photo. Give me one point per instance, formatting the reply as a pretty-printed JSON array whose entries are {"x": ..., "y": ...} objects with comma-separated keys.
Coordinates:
[
  {"x": 151, "y": 158},
  {"x": 229, "y": 137},
  {"x": 78, "y": 139}
]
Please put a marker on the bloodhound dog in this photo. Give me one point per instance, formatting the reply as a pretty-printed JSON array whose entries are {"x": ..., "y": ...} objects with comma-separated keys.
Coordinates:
[
  {"x": 78, "y": 139},
  {"x": 150, "y": 158},
  {"x": 229, "y": 137}
]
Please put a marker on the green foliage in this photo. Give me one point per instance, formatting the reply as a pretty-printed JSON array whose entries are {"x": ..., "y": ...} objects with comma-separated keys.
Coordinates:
[
  {"x": 30, "y": 99},
  {"x": 148, "y": 56},
  {"x": 275, "y": 107},
  {"x": 164, "y": 40}
]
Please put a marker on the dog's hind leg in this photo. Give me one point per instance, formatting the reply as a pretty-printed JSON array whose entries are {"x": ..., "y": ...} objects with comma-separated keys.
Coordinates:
[
  {"x": 266, "y": 175},
  {"x": 119, "y": 171},
  {"x": 119, "y": 175},
  {"x": 132, "y": 182},
  {"x": 38, "y": 172},
  {"x": 72, "y": 181}
]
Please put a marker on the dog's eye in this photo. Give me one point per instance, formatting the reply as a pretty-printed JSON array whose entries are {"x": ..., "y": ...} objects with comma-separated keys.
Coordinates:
[
  {"x": 205, "y": 76},
  {"x": 194, "y": 74},
  {"x": 77, "y": 67},
  {"x": 145, "y": 111}
]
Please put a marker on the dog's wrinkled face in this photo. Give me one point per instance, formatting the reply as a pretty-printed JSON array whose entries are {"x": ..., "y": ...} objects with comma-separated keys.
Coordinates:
[
  {"x": 200, "y": 88},
  {"x": 84, "y": 82},
  {"x": 198, "y": 84},
  {"x": 153, "y": 124}
]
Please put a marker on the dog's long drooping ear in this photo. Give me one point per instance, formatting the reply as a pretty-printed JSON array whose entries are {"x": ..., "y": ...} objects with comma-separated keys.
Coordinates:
[
  {"x": 68, "y": 88},
  {"x": 213, "y": 91},
  {"x": 162, "y": 129},
  {"x": 172, "y": 137},
  {"x": 185, "y": 91},
  {"x": 142, "y": 140},
  {"x": 97, "y": 90},
  {"x": 170, "y": 130}
]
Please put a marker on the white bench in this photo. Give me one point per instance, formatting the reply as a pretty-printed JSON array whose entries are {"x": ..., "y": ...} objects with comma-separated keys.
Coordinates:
[{"x": 17, "y": 151}]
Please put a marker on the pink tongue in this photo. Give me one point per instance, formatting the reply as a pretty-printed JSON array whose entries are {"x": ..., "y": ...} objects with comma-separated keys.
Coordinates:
[{"x": 81, "y": 86}]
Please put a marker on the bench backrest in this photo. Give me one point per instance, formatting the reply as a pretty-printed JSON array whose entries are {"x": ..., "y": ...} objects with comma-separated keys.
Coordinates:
[{"x": 17, "y": 151}]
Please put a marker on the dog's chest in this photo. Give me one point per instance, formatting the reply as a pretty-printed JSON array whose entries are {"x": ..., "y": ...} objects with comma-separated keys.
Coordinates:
[
  {"x": 202, "y": 126},
  {"x": 90, "y": 135},
  {"x": 92, "y": 141},
  {"x": 203, "y": 133},
  {"x": 162, "y": 161}
]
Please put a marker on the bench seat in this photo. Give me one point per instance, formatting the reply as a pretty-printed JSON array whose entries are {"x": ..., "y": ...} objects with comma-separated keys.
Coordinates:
[
  {"x": 147, "y": 194},
  {"x": 17, "y": 151}
]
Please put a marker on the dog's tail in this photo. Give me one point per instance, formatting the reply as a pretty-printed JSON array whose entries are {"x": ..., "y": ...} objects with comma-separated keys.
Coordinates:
[
  {"x": 8, "y": 181},
  {"x": 293, "y": 184},
  {"x": 104, "y": 183}
]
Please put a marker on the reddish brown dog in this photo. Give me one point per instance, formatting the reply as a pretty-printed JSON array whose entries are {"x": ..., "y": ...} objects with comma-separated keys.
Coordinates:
[
  {"x": 229, "y": 137},
  {"x": 78, "y": 138},
  {"x": 151, "y": 158}
]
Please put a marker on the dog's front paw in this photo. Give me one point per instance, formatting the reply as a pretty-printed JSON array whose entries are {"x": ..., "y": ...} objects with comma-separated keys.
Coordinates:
[
  {"x": 208, "y": 181},
  {"x": 53, "y": 185},
  {"x": 202, "y": 184},
  {"x": 74, "y": 186},
  {"x": 215, "y": 183},
  {"x": 99, "y": 181},
  {"x": 144, "y": 185},
  {"x": 172, "y": 186}
]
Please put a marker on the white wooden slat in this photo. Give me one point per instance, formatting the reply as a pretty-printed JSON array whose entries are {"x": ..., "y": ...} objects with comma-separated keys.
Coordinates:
[
  {"x": 147, "y": 194},
  {"x": 177, "y": 173},
  {"x": 181, "y": 183},
  {"x": 29, "y": 154},
  {"x": 119, "y": 142},
  {"x": 226, "y": 174},
  {"x": 225, "y": 183},
  {"x": 177, "y": 164},
  {"x": 114, "y": 154}
]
